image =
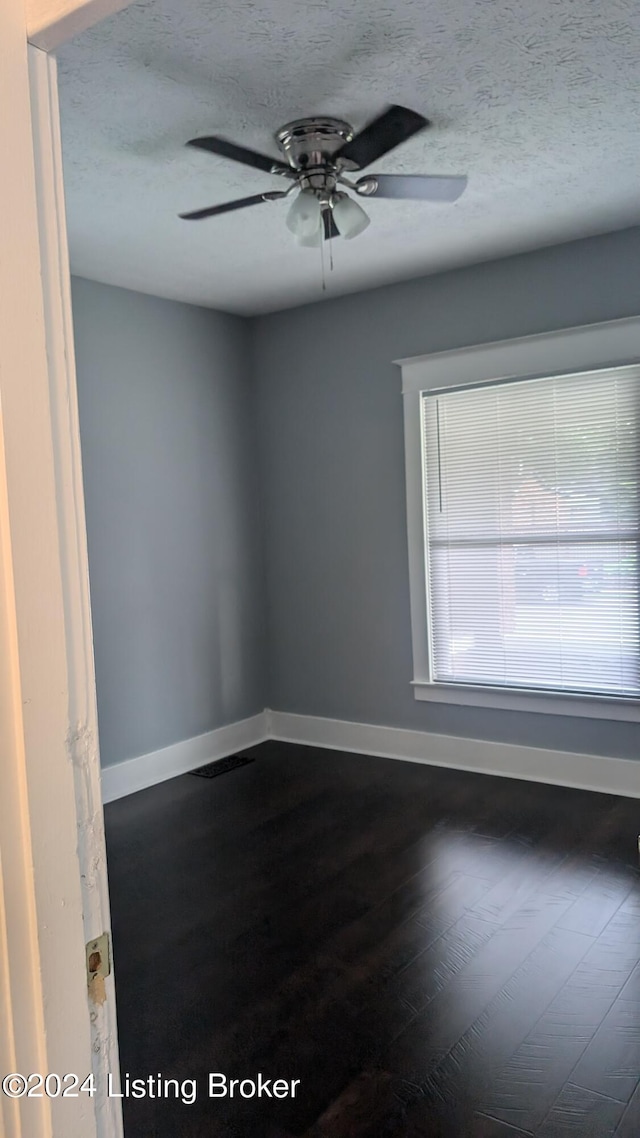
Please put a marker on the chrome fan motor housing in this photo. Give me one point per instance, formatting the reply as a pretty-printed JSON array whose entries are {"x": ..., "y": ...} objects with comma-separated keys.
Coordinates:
[{"x": 309, "y": 146}]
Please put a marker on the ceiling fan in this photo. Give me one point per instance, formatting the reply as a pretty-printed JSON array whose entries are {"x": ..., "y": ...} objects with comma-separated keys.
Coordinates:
[{"x": 317, "y": 154}]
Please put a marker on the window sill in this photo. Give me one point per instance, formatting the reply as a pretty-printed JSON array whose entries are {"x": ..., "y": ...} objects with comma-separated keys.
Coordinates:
[{"x": 546, "y": 703}]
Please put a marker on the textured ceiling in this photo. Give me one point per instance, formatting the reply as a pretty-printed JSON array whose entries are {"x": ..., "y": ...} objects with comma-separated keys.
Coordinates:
[{"x": 538, "y": 101}]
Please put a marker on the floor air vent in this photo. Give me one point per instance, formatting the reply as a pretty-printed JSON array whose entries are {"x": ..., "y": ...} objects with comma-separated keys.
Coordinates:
[{"x": 221, "y": 766}]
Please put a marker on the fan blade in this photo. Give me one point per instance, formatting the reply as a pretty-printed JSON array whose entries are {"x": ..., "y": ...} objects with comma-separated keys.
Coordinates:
[
  {"x": 393, "y": 126},
  {"x": 239, "y": 203},
  {"x": 226, "y": 149},
  {"x": 330, "y": 227},
  {"x": 415, "y": 187}
]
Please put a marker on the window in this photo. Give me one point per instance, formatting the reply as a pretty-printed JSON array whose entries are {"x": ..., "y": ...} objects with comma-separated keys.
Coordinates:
[
  {"x": 532, "y": 533},
  {"x": 528, "y": 526}
]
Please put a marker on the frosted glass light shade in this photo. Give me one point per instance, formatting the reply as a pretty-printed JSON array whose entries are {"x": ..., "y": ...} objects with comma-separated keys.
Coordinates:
[
  {"x": 349, "y": 217},
  {"x": 313, "y": 240},
  {"x": 304, "y": 216}
]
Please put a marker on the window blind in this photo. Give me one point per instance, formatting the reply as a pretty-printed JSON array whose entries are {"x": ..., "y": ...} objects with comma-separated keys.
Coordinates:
[{"x": 531, "y": 532}]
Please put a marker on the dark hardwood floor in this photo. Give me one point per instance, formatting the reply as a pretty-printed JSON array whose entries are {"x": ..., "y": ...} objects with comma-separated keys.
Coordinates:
[{"x": 431, "y": 953}]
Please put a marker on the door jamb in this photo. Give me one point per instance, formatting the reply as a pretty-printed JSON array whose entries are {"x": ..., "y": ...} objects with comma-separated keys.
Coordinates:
[{"x": 53, "y": 882}]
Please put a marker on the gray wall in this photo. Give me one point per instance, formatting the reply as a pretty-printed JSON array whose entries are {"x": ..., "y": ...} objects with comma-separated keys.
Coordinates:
[
  {"x": 173, "y": 526},
  {"x": 333, "y": 478}
]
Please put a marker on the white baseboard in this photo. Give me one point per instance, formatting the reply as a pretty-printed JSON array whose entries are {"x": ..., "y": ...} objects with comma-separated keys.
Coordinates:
[
  {"x": 535, "y": 764},
  {"x": 157, "y": 766}
]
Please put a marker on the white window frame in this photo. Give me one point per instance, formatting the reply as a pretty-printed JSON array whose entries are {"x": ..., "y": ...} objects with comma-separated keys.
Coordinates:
[{"x": 571, "y": 350}]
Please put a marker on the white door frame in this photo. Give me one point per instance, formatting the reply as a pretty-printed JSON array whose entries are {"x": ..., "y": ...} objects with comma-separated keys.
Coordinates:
[{"x": 53, "y": 883}]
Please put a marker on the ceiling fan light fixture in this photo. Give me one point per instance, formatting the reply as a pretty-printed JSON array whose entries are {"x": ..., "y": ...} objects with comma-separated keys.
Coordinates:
[
  {"x": 349, "y": 217},
  {"x": 304, "y": 217}
]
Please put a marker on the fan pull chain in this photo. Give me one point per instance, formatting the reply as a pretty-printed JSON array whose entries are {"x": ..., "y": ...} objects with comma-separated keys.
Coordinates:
[{"x": 324, "y": 283}]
